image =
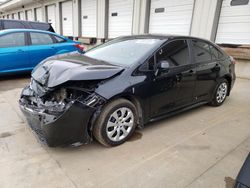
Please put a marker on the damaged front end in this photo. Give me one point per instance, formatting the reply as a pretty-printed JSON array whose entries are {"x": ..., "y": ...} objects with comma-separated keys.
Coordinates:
[{"x": 61, "y": 115}]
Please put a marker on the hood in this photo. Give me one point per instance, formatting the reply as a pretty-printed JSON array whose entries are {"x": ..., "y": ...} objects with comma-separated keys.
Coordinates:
[{"x": 72, "y": 67}]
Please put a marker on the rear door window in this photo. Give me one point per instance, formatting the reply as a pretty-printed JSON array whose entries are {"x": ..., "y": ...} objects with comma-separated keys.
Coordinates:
[
  {"x": 12, "y": 25},
  {"x": 201, "y": 51},
  {"x": 12, "y": 40},
  {"x": 40, "y": 38}
]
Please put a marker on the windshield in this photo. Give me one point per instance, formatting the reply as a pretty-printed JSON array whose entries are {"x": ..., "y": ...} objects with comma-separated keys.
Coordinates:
[{"x": 124, "y": 51}]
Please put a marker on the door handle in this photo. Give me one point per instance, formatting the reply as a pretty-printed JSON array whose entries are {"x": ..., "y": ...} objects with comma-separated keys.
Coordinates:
[
  {"x": 189, "y": 72},
  {"x": 178, "y": 77}
]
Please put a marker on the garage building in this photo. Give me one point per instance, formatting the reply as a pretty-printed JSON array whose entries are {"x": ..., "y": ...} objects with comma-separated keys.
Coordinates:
[
  {"x": 234, "y": 22},
  {"x": 222, "y": 21},
  {"x": 226, "y": 22}
]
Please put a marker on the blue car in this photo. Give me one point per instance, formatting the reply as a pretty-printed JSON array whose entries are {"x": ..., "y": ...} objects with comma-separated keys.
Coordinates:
[{"x": 22, "y": 49}]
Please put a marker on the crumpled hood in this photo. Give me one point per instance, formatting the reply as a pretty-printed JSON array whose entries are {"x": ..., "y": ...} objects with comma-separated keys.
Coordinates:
[{"x": 72, "y": 67}]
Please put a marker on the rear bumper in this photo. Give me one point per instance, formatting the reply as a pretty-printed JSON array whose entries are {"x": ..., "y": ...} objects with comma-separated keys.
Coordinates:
[{"x": 69, "y": 127}]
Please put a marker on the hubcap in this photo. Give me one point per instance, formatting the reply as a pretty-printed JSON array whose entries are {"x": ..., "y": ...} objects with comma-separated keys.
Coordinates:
[
  {"x": 221, "y": 92},
  {"x": 120, "y": 124}
]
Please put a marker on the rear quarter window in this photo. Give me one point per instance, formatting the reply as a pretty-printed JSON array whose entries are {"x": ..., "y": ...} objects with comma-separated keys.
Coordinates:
[
  {"x": 216, "y": 54},
  {"x": 59, "y": 39}
]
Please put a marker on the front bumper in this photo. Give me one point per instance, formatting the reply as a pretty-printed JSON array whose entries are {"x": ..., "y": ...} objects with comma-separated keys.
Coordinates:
[{"x": 66, "y": 128}]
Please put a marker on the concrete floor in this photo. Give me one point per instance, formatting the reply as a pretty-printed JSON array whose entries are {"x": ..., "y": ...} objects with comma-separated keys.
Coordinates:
[{"x": 204, "y": 147}]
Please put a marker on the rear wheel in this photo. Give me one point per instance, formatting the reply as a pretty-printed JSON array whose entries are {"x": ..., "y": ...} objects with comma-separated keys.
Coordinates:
[
  {"x": 220, "y": 93},
  {"x": 116, "y": 123}
]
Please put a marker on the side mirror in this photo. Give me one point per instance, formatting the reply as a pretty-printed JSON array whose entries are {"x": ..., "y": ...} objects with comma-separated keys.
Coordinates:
[{"x": 164, "y": 64}]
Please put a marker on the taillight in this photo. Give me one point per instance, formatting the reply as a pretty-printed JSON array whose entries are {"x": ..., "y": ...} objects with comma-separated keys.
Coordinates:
[
  {"x": 232, "y": 60},
  {"x": 79, "y": 46}
]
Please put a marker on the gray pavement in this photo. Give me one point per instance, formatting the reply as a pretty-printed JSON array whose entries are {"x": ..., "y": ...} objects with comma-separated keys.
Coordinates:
[{"x": 204, "y": 147}]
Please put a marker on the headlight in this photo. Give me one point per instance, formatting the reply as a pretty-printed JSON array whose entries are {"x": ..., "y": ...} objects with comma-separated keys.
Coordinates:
[{"x": 94, "y": 100}]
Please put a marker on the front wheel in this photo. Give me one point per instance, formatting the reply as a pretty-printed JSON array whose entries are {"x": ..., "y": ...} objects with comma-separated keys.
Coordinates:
[
  {"x": 116, "y": 123},
  {"x": 220, "y": 93}
]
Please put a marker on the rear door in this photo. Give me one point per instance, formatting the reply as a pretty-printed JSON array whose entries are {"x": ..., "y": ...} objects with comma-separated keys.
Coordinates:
[
  {"x": 207, "y": 69},
  {"x": 13, "y": 52},
  {"x": 41, "y": 47}
]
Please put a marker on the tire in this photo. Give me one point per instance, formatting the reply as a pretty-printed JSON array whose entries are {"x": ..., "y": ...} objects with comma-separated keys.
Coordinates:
[
  {"x": 220, "y": 93},
  {"x": 110, "y": 129}
]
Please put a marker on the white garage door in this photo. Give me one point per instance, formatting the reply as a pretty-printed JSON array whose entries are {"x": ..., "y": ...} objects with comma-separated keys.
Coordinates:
[
  {"x": 120, "y": 18},
  {"x": 29, "y": 15},
  {"x": 51, "y": 15},
  {"x": 21, "y": 15},
  {"x": 234, "y": 23},
  {"x": 171, "y": 17},
  {"x": 67, "y": 18},
  {"x": 88, "y": 17},
  {"x": 15, "y": 16},
  {"x": 38, "y": 12}
]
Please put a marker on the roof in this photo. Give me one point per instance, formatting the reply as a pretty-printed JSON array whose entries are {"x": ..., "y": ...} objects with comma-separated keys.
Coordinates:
[
  {"x": 161, "y": 36},
  {"x": 26, "y": 30},
  {"x": 24, "y": 21}
]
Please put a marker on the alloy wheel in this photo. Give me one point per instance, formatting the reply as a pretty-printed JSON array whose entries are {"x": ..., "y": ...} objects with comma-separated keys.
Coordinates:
[
  {"x": 221, "y": 92},
  {"x": 120, "y": 124}
]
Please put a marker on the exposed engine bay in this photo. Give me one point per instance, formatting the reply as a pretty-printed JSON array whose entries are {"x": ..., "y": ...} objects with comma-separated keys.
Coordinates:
[{"x": 54, "y": 101}]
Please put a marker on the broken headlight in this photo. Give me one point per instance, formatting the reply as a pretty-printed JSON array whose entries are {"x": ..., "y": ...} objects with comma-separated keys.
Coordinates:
[{"x": 94, "y": 100}]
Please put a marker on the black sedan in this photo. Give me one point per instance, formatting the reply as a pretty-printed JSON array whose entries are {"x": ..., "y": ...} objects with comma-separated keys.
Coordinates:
[
  {"x": 123, "y": 84},
  {"x": 243, "y": 178}
]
